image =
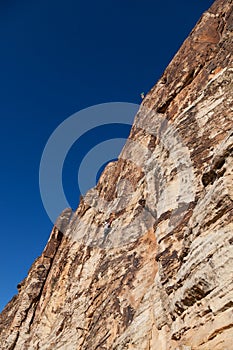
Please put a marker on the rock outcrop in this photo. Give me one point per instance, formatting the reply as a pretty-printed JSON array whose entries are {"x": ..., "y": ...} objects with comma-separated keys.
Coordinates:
[{"x": 146, "y": 261}]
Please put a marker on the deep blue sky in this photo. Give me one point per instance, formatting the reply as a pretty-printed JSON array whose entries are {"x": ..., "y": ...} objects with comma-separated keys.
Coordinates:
[{"x": 58, "y": 57}]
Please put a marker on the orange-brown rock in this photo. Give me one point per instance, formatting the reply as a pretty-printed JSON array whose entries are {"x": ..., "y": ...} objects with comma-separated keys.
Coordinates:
[{"x": 159, "y": 275}]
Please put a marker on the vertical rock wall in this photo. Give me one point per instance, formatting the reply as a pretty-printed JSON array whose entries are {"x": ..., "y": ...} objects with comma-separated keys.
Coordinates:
[{"x": 159, "y": 275}]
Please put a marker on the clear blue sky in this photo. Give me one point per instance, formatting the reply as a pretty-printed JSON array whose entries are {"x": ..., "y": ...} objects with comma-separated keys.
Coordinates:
[{"x": 58, "y": 57}]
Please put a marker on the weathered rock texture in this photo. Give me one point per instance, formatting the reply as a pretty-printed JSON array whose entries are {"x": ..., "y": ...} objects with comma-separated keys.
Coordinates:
[{"x": 159, "y": 274}]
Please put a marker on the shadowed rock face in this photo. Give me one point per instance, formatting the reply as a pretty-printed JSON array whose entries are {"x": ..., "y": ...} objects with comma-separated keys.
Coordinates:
[{"x": 161, "y": 276}]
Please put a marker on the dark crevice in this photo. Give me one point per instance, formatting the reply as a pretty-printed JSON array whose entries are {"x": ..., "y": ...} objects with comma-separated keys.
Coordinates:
[
  {"x": 177, "y": 335},
  {"x": 209, "y": 178},
  {"x": 219, "y": 164},
  {"x": 226, "y": 306},
  {"x": 35, "y": 301},
  {"x": 217, "y": 169},
  {"x": 191, "y": 296},
  {"x": 15, "y": 342},
  {"x": 187, "y": 81},
  {"x": 107, "y": 335},
  {"x": 165, "y": 106},
  {"x": 222, "y": 211},
  {"x": 219, "y": 331}
]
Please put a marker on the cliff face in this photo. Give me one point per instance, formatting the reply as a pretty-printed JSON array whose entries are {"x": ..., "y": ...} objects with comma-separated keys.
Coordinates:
[{"x": 159, "y": 274}]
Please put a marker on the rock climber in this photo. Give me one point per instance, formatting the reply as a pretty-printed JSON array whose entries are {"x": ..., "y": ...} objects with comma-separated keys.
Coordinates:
[{"x": 107, "y": 225}]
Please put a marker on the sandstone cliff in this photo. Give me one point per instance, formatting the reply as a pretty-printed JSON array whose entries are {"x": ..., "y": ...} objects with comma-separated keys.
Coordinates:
[{"x": 161, "y": 276}]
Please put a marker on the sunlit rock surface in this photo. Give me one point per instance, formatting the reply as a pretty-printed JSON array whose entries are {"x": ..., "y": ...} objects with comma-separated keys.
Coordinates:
[{"x": 146, "y": 261}]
